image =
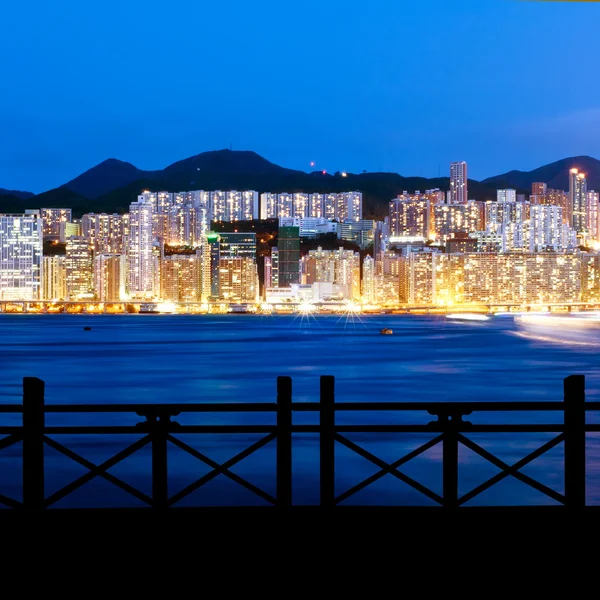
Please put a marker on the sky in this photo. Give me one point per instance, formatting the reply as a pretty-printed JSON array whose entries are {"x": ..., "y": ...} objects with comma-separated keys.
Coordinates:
[{"x": 353, "y": 85}]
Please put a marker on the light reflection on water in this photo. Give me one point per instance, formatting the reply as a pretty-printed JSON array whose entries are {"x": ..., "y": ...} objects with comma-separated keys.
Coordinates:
[{"x": 132, "y": 358}]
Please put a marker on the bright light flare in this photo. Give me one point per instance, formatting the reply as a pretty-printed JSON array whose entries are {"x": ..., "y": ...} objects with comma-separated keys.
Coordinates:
[
  {"x": 306, "y": 307},
  {"x": 166, "y": 307}
]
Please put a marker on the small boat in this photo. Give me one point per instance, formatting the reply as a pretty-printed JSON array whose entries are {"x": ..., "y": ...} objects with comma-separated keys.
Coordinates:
[
  {"x": 386, "y": 331},
  {"x": 87, "y": 328},
  {"x": 468, "y": 316},
  {"x": 149, "y": 308}
]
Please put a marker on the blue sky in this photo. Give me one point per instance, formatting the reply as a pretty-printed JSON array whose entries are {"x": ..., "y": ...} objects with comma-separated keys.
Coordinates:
[{"x": 379, "y": 85}]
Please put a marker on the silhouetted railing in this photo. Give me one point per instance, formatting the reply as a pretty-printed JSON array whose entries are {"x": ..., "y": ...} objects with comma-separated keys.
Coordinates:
[{"x": 158, "y": 430}]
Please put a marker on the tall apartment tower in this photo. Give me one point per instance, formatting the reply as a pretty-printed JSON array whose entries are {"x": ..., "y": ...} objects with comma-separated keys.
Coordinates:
[
  {"x": 458, "y": 183},
  {"x": 21, "y": 256},
  {"x": 143, "y": 264},
  {"x": 578, "y": 201}
]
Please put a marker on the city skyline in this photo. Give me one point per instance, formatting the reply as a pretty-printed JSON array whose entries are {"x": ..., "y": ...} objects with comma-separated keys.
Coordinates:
[{"x": 436, "y": 248}]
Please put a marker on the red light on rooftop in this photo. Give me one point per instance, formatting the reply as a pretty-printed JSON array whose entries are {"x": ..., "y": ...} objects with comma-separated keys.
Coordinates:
[{"x": 324, "y": 172}]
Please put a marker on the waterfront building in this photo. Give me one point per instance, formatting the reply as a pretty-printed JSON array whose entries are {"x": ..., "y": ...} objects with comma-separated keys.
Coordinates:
[
  {"x": 238, "y": 280},
  {"x": 274, "y": 267},
  {"x": 52, "y": 218},
  {"x": 340, "y": 267},
  {"x": 458, "y": 183},
  {"x": 181, "y": 277},
  {"x": 79, "y": 269},
  {"x": 288, "y": 264},
  {"x": 21, "y": 241},
  {"x": 578, "y": 201},
  {"x": 212, "y": 259},
  {"x": 54, "y": 278},
  {"x": 368, "y": 280},
  {"x": 143, "y": 266},
  {"x": 110, "y": 277}
]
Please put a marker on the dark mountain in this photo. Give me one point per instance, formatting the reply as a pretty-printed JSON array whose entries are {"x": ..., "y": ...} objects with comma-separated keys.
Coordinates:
[
  {"x": 226, "y": 162},
  {"x": 555, "y": 175},
  {"x": 112, "y": 185},
  {"x": 16, "y": 193},
  {"x": 105, "y": 177}
]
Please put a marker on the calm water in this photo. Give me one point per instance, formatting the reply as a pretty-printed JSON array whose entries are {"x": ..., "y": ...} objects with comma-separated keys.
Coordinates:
[{"x": 150, "y": 358}]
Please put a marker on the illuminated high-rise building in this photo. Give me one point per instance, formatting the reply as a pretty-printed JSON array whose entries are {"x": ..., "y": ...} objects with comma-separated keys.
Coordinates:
[
  {"x": 238, "y": 280},
  {"x": 79, "y": 269},
  {"x": 368, "y": 280},
  {"x": 52, "y": 219},
  {"x": 237, "y": 245},
  {"x": 110, "y": 277},
  {"x": 545, "y": 228},
  {"x": 410, "y": 215},
  {"x": 458, "y": 218},
  {"x": 21, "y": 238},
  {"x": 233, "y": 205},
  {"x": 459, "y": 193},
  {"x": 578, "y": 201},
  {"x": 593, "y": 215},
  {"x": 538, "y": 188},
  {"x": 554, "y": 198},
  {"x": 340, "y": 267},
  {"x": 105, "y": 232},
  {"x": 54, "y": 278},
  {"x": 181, "y": 277},
  {"x": 344, "y": 206},
  {"x": 143, "y": 262},
  {"x": 506, "y": 195},
  {"x": 288, "y": 264}
]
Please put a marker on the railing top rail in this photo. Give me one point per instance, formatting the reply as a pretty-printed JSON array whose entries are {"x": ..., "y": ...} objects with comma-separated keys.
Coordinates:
[{"x": 430, "y": 407}]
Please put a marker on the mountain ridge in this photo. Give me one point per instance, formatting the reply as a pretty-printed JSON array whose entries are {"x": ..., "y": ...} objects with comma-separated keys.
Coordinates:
[{"x": 113, "y": 184}]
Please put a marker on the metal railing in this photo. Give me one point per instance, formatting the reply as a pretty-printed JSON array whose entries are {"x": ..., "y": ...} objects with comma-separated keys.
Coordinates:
[{"x": 158, "y": 430}]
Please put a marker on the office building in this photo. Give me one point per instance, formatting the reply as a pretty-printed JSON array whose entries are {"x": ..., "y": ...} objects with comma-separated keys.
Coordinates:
[
  {"x": 21, "y": 239},
  {"x": 288, "y": 263},
  {"x": 237, "y": 245}
]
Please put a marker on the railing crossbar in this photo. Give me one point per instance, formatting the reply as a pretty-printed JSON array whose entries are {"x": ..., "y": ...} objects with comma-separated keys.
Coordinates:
[
  {"x": 388, "y": 468},
  {"x": 511, "y": 470},
  {"x": 221, "y": 469},
  {"x": 392, "y": 466},
  {"x": 97, "y": 470},
  {"x": 10, "y": 502},
  {"x": 9, "y": 440}
]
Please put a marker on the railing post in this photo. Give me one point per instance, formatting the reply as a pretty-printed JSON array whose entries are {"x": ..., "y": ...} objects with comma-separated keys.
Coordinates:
[
  {"x": 327, "y": 441},
  {"x": 574, "y": 398},
  {"x": 284, "y": 441},
  {"x": 450, "y": 463},
  {"x": 33, "y": 443},
  {"x": 160, "y": 492}
]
